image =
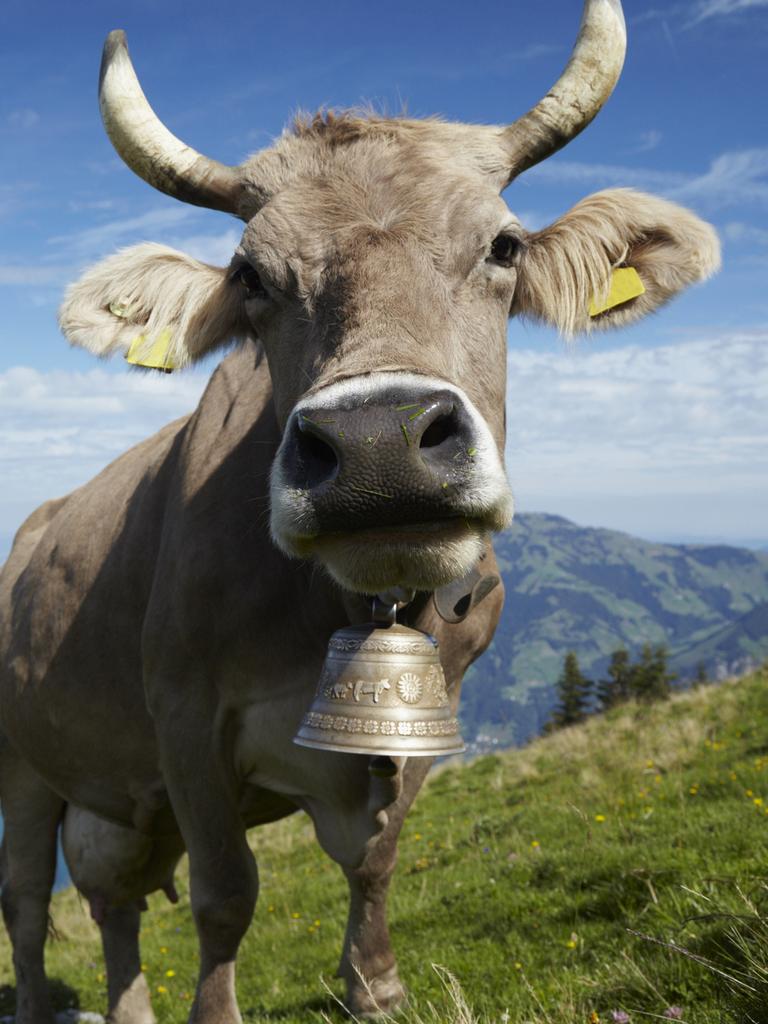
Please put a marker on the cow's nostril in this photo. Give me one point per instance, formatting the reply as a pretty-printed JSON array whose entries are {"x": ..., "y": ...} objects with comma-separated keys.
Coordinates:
[
  {"x": 439, "y": 430},
  {"x": 317, "y": 461}
]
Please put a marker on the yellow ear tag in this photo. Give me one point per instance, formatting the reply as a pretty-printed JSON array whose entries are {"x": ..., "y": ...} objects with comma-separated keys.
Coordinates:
[
  {"x": 157, "y": 358},
  {"x": 625, "y": 285}
]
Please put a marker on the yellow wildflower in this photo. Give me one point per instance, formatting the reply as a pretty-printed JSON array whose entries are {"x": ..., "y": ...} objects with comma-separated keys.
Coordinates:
[
  {"x": 170, "y": 974},
  {"x": 600, "y": 817},
  {"x": 162, "y": 989}
]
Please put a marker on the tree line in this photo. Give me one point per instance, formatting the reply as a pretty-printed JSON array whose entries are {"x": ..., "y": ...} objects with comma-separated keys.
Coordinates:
[{"x": 647, "y": 679}]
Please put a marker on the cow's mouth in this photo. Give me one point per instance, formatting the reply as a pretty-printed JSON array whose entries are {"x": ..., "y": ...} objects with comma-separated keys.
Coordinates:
[
  {"x": 409, "y": 533},
  {"x": 421, "y": 556}
]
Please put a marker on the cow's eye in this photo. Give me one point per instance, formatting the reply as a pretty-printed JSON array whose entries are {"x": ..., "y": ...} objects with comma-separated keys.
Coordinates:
[
  {"x": 504, "y": 249},
  {"x": 249, "y": 278}
]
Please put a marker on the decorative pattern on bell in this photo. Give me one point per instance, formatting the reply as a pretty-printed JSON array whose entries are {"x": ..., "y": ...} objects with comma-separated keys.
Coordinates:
[{"x": 381, "y": 691}]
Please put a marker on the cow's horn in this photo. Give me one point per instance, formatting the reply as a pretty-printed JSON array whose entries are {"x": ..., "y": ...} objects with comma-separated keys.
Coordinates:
[
  {"x": 577, "y": 96},
  {"x": 146, "y": 145}
]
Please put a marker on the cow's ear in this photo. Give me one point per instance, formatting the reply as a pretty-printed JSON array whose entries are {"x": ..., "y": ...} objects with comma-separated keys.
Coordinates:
[
  {"x": 567, "y": 270},
  {"x": 155, "y": 305}
]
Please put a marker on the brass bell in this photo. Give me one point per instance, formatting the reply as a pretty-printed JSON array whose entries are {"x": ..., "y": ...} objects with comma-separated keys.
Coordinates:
[{"x": 381, "y": 692}]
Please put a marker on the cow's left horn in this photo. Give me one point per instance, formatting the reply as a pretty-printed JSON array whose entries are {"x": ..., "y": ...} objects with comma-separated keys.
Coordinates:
[
  {"x": 577, "y": 96},
  {"x": 146, "y": 145}
]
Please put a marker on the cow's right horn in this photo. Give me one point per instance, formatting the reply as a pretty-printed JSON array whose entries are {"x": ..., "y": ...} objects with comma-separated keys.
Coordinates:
[
  {"x": 578, "y": 95},
  {"x": 146, "y": 145}
]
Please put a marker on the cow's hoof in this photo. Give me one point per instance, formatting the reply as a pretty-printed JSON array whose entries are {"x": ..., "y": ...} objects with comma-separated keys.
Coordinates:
[{"x": 374, "y": 998}]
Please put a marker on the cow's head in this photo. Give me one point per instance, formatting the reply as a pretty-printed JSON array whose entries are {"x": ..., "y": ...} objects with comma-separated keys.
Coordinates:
[{"x": 378, "y": 267}]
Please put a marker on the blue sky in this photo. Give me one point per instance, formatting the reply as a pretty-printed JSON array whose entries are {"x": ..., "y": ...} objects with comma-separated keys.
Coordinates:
[{"x": 660, "y": 430}]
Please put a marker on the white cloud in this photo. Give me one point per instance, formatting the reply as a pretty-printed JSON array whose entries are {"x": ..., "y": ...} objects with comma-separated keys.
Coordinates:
[
  {"x": 706, "y": 9},
  {"x": 13, "y": 196},
  {"x": 648, "y": 140},
  {"x": 558, "y": 172},
  {"x": 737, "y": 231},
  {"x": 215, "y": 249},
  {"x": 34, "y": 275},
  {"x": 80, "y": 205},
  {"x": 103, "y": 238},
  {"x": 683, "y": 424},
  {"x": 732, "y": 178},
  {"x": 695, "y": 13},
  {"x": 736, "y": 177},
  {"x": 24, "y": 119},
  {"x": 58, "y": 429},
  {"x": 532, "y": 52}
]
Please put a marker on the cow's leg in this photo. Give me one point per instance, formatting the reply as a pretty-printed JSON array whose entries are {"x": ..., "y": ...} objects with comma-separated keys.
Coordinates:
[
  {"x": 31, "y": 813},
  {"x": 224, "y": 886},
  {"x": 127, "y": 987},
  {"x": 222, "y": 869},
  {"x": 368, "y": 964},
  {"x": 364, "y": 843},
  {"x": 115, "y": 867}
]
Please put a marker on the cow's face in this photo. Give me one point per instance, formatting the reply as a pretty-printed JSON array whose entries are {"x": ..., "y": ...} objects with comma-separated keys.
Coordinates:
[
  {"x": 378, "y": 267},
  {"x": 381, "y": 288}
]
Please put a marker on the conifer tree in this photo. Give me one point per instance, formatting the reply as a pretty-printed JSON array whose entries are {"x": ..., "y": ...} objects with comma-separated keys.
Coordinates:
[
  {"x": 702, "y": 676},
  {"x": 617, "y": 688},
  {"x": 650, "y": 678},
  {"x": 574, "y": 691}
]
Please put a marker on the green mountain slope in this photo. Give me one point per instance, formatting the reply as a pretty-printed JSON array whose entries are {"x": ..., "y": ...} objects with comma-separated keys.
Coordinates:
[
  {"x": 593, "y": 590},
  {"x": 597, "y": 871}
]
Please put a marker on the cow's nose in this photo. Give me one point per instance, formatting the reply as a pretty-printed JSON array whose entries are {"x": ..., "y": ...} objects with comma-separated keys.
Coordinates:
[
  {"x": 393, "y": 457},
  {"x": 328, "y": 438}
]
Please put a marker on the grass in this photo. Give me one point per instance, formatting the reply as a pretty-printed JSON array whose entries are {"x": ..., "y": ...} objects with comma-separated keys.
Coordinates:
[{"x": 616, "y": 867}]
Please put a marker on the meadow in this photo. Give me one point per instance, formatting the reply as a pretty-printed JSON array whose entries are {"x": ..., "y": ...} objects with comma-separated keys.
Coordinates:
[{"x": 614, "y": 871}]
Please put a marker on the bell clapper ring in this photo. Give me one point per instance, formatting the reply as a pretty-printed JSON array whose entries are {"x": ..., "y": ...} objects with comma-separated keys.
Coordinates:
[
  {"x": 385, "y": 606},
  {"x": 383, "y": 613}
]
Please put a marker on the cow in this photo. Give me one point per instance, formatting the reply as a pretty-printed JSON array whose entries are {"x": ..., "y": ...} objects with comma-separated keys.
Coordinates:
[{"x": 163, "y": 627}]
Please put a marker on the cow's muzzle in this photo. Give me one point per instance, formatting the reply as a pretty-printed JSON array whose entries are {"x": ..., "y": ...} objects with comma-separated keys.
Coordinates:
[{"x": 387, "y": 470}]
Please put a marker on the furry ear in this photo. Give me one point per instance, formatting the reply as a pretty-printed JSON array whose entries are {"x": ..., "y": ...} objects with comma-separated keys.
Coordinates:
[
  {"x": 570, "y": 263},
  {"x": 153, "y": 292}
]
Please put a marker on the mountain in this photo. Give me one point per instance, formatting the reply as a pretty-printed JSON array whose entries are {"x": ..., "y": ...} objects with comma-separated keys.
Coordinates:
[{"x": 593, "y": 590}]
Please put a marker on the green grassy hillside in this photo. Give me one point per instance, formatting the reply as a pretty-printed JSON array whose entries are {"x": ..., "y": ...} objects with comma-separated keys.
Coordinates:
[
  {"x": 591, "y": 591},
  {"x": 618, "y": 867}
]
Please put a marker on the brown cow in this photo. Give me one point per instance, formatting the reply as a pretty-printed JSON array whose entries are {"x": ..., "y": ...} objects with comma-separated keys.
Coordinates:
[{"x": 160, "y": 643}]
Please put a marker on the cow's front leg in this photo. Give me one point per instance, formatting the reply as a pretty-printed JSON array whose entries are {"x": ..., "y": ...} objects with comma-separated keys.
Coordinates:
[
  {"x": 364, "y": 842},
  {"x": 223, "y": 875},
  {"x": 368, "y": 964},
  {"x": 224, "y": 887}
]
